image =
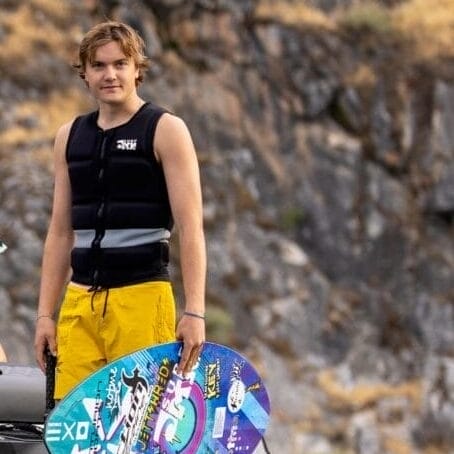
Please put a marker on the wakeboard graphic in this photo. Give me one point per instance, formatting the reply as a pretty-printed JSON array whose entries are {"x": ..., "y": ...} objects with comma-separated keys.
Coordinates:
[{"x": 140, "y": 404}]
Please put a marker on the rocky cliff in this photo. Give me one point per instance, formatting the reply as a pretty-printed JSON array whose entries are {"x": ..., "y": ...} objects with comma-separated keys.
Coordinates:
[{"x": 325, "y": 132}]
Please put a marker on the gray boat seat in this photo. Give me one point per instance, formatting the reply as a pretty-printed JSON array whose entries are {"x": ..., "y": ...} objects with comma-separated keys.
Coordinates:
[{"x": 22, "y": 394}]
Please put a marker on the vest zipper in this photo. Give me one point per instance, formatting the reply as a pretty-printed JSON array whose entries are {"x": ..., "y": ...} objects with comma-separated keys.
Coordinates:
[{"x": 100, "y": 215}]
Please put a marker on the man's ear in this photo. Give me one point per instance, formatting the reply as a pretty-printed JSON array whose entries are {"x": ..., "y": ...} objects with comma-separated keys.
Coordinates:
[{"x": 82, "y": 76}]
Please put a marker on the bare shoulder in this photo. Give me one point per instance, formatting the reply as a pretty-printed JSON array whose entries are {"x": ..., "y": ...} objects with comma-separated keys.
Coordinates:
[
  {"x": 172, "y": 135},
  {"x": 63, "y": 131},
  {"x": 171, "y": 123},
  {"x": 61, "y": 138}
]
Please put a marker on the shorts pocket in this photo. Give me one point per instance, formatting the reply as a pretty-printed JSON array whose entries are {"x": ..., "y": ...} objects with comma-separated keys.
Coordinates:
[{"x": 68, "y": 315}]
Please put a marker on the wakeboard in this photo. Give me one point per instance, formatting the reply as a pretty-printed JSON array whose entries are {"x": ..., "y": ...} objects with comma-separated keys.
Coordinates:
[{"x": 140, "y": 404}]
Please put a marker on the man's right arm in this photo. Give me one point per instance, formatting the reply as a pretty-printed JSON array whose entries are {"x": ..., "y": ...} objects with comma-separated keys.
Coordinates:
[{"x": 57, "y": 251}]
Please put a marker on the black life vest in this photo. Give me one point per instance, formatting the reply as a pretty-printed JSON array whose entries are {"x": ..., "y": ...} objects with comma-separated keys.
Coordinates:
[{"x": 121, "y": 213}]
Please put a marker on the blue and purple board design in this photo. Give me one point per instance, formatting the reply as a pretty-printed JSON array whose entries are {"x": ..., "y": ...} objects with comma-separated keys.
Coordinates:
[{"x": 139, "y": 404}]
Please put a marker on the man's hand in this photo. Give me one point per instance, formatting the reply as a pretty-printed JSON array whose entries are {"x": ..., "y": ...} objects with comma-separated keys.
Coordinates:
[
  {"x": 45, "y": 336},
  {"x": 190, "y": 330}
]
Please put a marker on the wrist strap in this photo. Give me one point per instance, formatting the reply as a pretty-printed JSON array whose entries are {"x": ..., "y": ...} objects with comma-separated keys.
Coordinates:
[{"x": 193, "y": 314}]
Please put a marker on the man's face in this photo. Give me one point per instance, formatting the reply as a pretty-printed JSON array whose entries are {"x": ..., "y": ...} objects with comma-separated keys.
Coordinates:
[{"x": 111, "y": 76}]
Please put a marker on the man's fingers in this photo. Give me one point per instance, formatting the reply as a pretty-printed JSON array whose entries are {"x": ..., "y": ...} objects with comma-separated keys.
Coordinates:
[
  {"x": 189, "y": 358},
  {"x": 184, "y": 365},
  {"x": 39, "y": 353},
  {"x": 193, "y": 357},
  {"x": 40, "y": 350},
  {"x": 52, "y": 347}
]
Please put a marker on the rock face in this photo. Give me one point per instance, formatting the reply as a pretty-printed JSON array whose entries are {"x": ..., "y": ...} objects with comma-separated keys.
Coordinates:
[{"x": 328, "y": 172}]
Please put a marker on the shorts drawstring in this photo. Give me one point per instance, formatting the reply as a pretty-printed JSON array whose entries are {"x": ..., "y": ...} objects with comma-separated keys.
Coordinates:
[
  {"x": 91, "y": 300},
  {"x": 96, "y": 290},
  {"x": 105, "y": 303}
]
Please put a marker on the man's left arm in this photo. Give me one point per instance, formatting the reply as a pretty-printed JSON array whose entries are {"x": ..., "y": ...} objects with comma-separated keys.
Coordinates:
[{"x": 174, "y": 148}]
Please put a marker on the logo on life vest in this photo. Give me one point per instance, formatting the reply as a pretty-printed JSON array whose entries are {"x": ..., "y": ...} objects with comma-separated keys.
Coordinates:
[{"x": 127, "y": 144}]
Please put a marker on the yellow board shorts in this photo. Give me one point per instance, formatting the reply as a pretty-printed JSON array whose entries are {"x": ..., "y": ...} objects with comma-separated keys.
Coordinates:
[{"x": 95, "y": 328}]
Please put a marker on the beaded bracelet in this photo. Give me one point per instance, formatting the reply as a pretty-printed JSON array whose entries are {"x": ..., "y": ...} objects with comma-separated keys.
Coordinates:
[{"x": 193, "y": 314}]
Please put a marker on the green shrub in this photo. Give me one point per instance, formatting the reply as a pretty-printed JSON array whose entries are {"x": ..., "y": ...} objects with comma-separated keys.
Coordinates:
[{"x": 367, "y": 16}]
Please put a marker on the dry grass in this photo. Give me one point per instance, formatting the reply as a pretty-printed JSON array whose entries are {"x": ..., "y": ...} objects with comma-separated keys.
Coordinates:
[
  {"x": 57, "y": 9},
  {"x": 292, "y": 13},
  {"x": 434, "y": 450},
  {"x": 397, "y": 446},
  {"x": 363, "y": 76},
  {"x": 30, "y": 30},
  {"x": 429, "y": 24},
  {"x": 364, "y": 395},
  {"x": 59, "y": 108}
]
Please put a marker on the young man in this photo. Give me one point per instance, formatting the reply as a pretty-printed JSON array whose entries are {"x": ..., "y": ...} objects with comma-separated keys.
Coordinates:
[{"x": 123, "y": 175}]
